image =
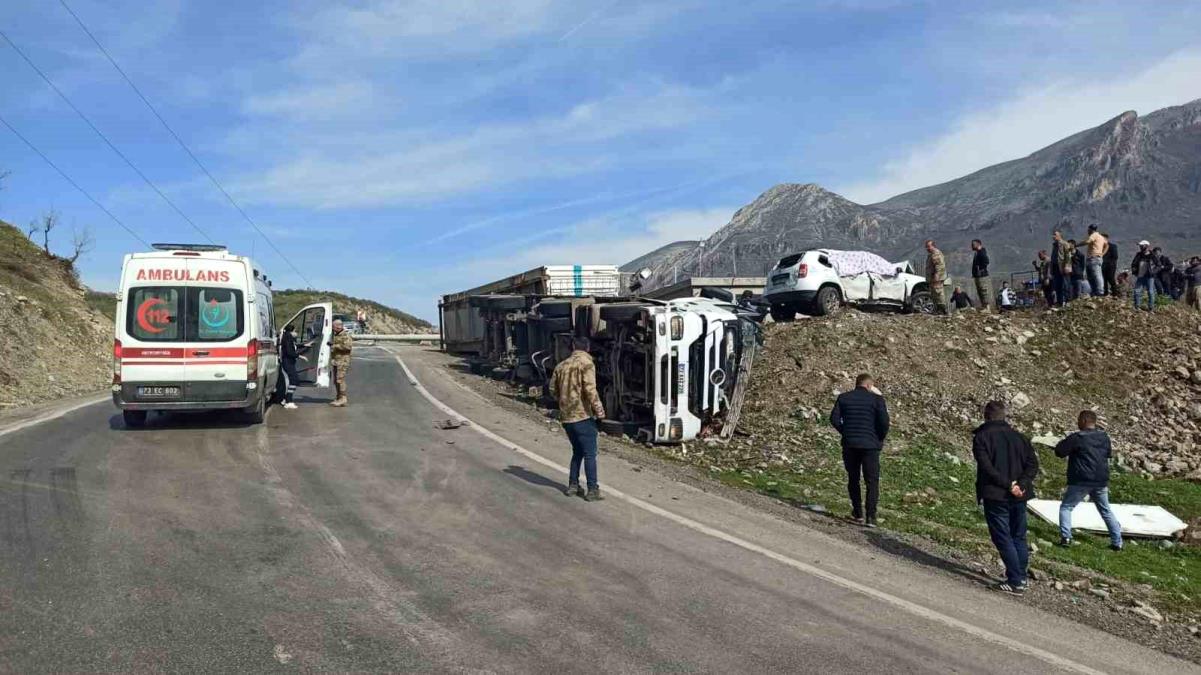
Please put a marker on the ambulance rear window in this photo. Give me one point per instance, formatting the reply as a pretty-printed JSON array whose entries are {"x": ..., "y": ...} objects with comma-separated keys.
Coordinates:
[{"x": 184, "y": 314}]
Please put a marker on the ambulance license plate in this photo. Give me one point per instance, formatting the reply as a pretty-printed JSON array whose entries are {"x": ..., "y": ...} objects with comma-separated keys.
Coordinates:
[{"x": 158, "y": 392}]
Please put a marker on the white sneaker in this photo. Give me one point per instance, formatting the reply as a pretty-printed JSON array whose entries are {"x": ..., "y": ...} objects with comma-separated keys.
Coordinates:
[{"x": 291, "y": 406}]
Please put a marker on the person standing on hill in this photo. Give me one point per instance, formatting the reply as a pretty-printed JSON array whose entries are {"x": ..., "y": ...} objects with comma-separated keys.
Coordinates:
[
  {"x": 1144, "y": 269},
  {"x": 861, "y": 417},
  {"x": 1006, "y": 466},
  {"x": 1095, "y": 249},
  {"x": 1163, "y": 277},
  {"x": 1061, "y": 268},
  {"x": 1193, "y": 274},
  {"x": 340, "y": 347},
  {"x": 1109, "y": 266},
  {"x": 1046, "y": 278},
  {"x": 1088, "y": 452},
  {"x": 573, "y": 384},
  {"x": 936, "y": 277},
  {"x": 980, "y": 274},
  {"x": 1078, "y": 280}
]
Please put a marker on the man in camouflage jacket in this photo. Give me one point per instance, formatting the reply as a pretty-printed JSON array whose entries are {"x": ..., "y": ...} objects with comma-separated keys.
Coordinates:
[
  {"x": 936, "y": 277},
  {"x": 573, "y": 383},
  {"x": 340, "y": 347}
]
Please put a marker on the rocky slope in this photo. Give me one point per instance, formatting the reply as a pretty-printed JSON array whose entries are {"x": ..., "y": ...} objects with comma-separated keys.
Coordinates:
[
  {"x": 52, "y": 344},
  {"x": 1141, "y": 372},
  {"x": 381, "y": 318},
  {"x": 1139, "y": 177}
]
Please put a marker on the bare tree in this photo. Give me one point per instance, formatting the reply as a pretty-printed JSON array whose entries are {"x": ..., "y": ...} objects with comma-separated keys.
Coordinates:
[
  {"x": 82, "y": 242},
  {"x": 49, "y": 222}
]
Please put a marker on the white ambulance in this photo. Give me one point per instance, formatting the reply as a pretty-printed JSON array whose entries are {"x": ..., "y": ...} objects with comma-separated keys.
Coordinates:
[{"x": 195, "y": 330}]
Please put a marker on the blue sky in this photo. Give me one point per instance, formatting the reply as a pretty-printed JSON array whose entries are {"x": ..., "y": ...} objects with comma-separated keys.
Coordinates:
[{"x": 400, "y": 149}]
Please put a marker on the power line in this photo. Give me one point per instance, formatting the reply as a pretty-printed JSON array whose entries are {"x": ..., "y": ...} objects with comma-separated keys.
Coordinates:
[
  {"x": 183, "y": 145},
  {"x": 104, "y": 138},
  {"x": 72, "y": 182}
]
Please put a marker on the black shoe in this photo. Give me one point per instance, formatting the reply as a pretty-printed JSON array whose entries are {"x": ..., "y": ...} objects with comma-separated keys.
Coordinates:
[
  {"x": 856, "y": 518},
  {"x": 574, "y": 490},
  {"x": 593, "y": 495},
  {"x": 1114, "y": 547},
  {"x": 1064, "y": 543},
  {"x": 1006, "y": 587},
  {"x": 871, "y": 522}
]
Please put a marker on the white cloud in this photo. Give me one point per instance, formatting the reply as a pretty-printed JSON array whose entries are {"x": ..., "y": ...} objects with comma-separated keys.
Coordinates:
[
  {"x": 1032, "y": 120},
  {"x": 313, "y": 101}
]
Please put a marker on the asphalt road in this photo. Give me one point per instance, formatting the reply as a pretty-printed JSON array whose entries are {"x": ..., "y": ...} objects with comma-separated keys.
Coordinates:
[{"x": 366, "y": 539}]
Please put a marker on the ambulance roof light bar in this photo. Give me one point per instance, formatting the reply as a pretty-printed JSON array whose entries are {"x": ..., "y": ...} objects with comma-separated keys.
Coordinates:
[{"x": 207, "y": 248}]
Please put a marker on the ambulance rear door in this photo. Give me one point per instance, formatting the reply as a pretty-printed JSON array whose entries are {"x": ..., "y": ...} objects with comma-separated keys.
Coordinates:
[
  {"x": 150, "y": 331},
  {"x": 314, "y": 328},
  {"x": 218, "y": 327}
]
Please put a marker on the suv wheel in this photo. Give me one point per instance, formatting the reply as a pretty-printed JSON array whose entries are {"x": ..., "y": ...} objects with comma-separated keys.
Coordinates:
[
  {"x": 921, "y": 302},
  {"x": 828, "y": 301},
  {"x": 782, "y": 313}
]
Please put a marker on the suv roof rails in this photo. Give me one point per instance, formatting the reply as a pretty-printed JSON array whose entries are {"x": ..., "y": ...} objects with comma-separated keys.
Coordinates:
[{"x": 209, "y": 248}]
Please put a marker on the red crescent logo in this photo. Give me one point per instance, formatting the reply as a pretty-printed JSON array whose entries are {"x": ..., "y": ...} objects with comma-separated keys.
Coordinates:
[{"x": 148, "y": 317}]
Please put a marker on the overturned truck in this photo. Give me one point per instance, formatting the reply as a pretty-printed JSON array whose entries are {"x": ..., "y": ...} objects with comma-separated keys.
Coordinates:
[{"x": 667, "y": 371}]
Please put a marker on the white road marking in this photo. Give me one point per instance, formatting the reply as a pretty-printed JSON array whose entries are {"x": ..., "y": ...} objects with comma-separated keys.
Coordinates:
[
  {"x": 900, "y": 603},
  {"x": 53, "y": 415}
]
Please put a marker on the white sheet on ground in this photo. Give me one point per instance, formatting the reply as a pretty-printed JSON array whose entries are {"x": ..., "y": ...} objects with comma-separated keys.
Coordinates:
[
  {"x": 851, "y": 263},
  {"x": 1137, "y": 519}
]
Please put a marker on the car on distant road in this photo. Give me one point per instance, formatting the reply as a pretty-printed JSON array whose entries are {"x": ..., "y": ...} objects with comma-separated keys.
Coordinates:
[{"x": 819, "y": 282}]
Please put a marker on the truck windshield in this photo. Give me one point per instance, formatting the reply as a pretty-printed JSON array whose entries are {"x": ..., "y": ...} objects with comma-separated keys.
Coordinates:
[{"x": 184, "y": 314}]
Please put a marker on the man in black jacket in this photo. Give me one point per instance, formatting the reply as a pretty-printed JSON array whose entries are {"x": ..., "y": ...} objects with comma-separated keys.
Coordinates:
[
  {"x": 1005, "y": 469},
  {"x": 1109, "y": 266},
  {"x": 1088, "y": 452},
  {"x": 861, "y": 416},
  {"x": 980, "y": 274}
]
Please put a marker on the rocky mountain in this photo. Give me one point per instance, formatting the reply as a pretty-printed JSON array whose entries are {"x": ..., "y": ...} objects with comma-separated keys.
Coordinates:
[
  {"x": 1139, "y": 177},
  {"x": 656, "y": 257}
]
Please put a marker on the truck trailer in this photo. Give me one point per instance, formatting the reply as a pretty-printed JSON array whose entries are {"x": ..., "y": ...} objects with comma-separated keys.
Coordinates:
[{"x": 462, "y": 328}]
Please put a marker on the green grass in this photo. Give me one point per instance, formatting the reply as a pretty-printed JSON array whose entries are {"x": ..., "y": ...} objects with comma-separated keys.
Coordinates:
[
  {"x": 951, "y": 517},
  {"x": 289, "y": 302},
  {"x": 105, "y": 303}
]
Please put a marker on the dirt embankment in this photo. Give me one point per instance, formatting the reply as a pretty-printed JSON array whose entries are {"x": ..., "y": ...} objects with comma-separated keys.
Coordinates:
[
  {"x": 52, "y": 344},
  {"x": 381, "y": 319},
  {"x": 1141, "y": 372}
]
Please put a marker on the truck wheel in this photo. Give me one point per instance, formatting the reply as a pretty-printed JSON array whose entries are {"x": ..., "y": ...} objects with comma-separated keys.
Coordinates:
[
  {"x": 921, "y": 302},
  {"x": 782, "y": 313},
  {"x": 828, "y": 302},
  {"x": 134, "y": 419}
]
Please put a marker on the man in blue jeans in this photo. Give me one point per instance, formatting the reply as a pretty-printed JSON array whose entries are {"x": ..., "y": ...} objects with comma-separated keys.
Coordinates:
[
  {"x": 1006, "y": 466},
  {"x": 573, "y": 384},
  {"x": 1144, "y": 269},
  {"x": 1088, "y": 452}
]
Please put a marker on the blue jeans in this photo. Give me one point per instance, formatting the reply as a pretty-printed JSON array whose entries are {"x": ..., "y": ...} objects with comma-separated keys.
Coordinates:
[
  {"x": 1007, "y": 527},
  {"x": 582, "y": 435},
  {"x": 1145, "y": 286},
  {"x": 1073, "y": 495},
  {"x": 1096, "y": 278}
]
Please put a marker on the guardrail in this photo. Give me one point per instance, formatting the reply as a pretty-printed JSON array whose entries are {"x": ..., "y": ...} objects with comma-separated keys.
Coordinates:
[{"x": 411, "y": 338}]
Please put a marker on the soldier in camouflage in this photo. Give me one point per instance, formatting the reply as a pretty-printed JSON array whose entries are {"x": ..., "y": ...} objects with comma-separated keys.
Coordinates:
[
  {"x": 573, "y": 383},
  {"x": 936, "y": 277},
  {"x": 340, "y": 347}
]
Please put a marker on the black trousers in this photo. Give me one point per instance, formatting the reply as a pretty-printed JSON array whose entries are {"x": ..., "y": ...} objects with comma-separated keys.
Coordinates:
[
  {"x": 1110, "y": 273},
  {"x": 866, "y": 462}
]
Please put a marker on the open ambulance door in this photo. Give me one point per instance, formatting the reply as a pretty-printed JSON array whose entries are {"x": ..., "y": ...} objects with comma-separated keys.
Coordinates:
[{"x": 313, "y": 329}]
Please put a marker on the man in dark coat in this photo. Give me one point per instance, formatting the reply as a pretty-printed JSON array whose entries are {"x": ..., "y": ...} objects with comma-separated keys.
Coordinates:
[
  {"x": 1088, "y": 452},
  {"x": 980, "y": 274},
  {"x": 1109, "y": 267},
  {"x": 861, "y": 416},
  {"x": 1006, "y": 466}
]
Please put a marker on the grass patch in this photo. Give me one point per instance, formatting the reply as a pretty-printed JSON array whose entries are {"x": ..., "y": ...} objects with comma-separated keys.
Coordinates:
[{"x": 949, "y": 515}]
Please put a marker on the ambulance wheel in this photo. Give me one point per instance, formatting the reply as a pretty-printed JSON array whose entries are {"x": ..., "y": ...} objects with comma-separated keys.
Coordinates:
[
  {"x": 134, "y": 419},
  {"x": 256, "y": 413}
]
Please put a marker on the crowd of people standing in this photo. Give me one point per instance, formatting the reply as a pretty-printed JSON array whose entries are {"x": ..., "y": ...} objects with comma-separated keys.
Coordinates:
[{"x": 1071, "y": 269}]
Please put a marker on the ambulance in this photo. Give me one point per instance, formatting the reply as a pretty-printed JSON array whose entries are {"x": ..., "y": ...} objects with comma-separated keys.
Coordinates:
[{"x": 195, "y": 330}]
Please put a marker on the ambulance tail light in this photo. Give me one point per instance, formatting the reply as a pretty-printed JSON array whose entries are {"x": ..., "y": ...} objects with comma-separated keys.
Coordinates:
[
  {"x": 802, "y": 271},
  {"x": 116, "y": 362},
  {"x": 252, "y": 361}
]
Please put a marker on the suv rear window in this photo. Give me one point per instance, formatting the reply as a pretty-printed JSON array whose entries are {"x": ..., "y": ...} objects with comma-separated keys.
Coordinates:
[
  {"x": 790, "y": 260},
  {"x": 184, "y": 314}
]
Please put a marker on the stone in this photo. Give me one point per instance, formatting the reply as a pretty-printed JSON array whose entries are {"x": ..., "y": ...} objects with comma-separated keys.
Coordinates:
[
  {"x": 1100, "y": 593},
  {"x": 1183, "y": 373},
  {"x": 1147, "y": 612},
  {"x": 1020, "y": 401},
  {"x": 1059, "y": 586}
]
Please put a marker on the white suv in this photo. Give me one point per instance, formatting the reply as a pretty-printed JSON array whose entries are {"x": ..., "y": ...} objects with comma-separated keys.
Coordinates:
[{"x": 820, "y": 281}]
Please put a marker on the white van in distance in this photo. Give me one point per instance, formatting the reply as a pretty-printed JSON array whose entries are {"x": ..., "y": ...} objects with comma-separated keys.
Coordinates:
[{"x": 195, "y": 330}]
